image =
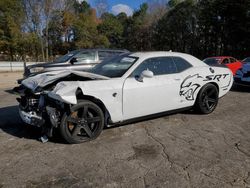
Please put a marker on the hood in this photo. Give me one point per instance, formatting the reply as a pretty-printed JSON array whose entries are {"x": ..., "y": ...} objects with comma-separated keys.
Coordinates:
[{"x": 44, "y": 79}]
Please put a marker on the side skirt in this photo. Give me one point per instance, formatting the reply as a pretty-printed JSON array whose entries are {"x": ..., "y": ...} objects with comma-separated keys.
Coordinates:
[{"x": 148, "y": 117}]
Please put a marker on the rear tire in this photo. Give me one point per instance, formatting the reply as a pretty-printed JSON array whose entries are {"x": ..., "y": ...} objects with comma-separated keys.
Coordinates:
[
  {"x": 85, "y": 122},
  {"x": 207, "y": 99}
]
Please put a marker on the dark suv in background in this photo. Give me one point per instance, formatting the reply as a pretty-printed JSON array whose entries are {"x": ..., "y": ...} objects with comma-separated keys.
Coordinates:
[{"x": 74, "y": 60}]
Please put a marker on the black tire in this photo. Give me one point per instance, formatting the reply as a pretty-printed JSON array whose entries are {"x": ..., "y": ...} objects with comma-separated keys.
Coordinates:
[
  {"x": 85, "y": 122},
  {"x": 207, "y": 99}
]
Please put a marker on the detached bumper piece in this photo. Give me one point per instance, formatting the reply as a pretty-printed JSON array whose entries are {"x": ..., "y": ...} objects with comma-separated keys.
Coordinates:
[{"x": 31, "y": 118}]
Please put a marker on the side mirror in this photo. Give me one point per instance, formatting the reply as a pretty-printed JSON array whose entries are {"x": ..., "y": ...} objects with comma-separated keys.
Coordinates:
[
  {"x": 145, "y": 74},
  {"x": 73, "y": 60}
]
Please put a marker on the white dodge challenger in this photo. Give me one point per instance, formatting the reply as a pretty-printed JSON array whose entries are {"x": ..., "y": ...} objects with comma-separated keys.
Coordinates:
[{"x": 127, "y": 87}]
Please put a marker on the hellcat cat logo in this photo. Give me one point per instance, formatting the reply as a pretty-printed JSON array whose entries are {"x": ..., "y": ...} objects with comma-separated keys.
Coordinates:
[{"x": 189, "y": 86}]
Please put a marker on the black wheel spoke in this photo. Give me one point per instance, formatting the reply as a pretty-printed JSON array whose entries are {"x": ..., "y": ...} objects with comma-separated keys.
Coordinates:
[
  {"x": 207, "y": 105},
  {"x": 93, "y": 119},
  {"x": 76, "y": 130},
  {"x": 211, "y": 100},
  {"x": 88, "y": 131},
  {"x": 85, "y": 111},
  {"x": 72, "y": 120}
]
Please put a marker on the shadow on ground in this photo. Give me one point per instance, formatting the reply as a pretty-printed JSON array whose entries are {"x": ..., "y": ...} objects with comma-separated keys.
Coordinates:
[
  {"x": 241, "y": 89},
  {"x": 12, "y": 124},
  {"x": 10, "y": 91}
]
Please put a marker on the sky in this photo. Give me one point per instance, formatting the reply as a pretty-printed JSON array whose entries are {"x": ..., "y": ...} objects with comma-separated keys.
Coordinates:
[{"x": 118, "y": 6}]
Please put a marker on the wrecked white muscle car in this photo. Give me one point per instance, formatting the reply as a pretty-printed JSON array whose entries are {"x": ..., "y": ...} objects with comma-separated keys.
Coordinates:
[{"x": 126, "y": 87}]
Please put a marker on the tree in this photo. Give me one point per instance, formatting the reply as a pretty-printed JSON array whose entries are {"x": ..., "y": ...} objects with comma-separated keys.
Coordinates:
[
  {"x": 224, "y": 30},
  {"x": 101, "y": 6},
  {"x": 112, "y": 28},
  {"x": 11, "y": 19},
  {"x": 86, "y": 33},
  {"x": 177, "y": 30},
  {"x": 173, "y": 3},
  {"x": 42, "y": 28},
  {"x": 137, "y": 30}
]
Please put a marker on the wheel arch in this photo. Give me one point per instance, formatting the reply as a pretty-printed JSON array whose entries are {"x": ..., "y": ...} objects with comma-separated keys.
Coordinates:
[
  {"x": 98, "y": 102},
  {"x": 215, "y": 84}
]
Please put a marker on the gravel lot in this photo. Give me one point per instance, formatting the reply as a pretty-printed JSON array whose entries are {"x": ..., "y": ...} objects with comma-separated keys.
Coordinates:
[{"x": 180, "y": 150}]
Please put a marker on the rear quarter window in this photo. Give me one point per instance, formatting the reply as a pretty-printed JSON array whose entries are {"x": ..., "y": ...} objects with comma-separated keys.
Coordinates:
[{"x": 181, "y": 64}]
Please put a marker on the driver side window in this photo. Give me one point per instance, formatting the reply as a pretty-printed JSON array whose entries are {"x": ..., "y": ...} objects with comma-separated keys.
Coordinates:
[{"x": 158, "y": 65}]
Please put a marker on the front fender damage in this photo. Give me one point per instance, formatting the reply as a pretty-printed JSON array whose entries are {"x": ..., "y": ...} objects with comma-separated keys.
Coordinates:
[{"x": 65, "y": 92}]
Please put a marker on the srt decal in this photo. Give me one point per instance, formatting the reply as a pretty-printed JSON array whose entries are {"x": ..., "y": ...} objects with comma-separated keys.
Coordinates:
[
  {"x": 216, "y": 77},
  {"x": 189, "y": 86}
]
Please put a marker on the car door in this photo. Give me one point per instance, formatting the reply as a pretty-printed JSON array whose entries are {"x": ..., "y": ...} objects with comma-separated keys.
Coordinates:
[
  {"x": 152, "y": 95},
  {"x": 84, "y": 60}
]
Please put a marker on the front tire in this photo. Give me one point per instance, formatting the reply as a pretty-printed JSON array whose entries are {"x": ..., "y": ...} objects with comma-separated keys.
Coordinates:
[
  {"x": 207, "y": 99},
  {"x": 85, "y": 122}
]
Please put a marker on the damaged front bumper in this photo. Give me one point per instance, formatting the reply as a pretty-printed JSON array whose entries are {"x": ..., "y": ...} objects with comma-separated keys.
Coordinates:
[{"x": 31, "y": 118}]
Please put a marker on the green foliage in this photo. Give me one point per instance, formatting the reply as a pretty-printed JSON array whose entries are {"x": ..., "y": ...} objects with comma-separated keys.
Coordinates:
[
  {"x": 200, "y": 27},
  {"x": 176, "y": 30},
  {"x": 136, "y": 32},
  {"x": 205, "y": 28},
  {"x": 85, "y": 31},
  {"x": 112, "y": 28},
  {"x": 81, "y": 7},
  {"x": 11, "y": 17},
  {"x": 173, "y": 3}
]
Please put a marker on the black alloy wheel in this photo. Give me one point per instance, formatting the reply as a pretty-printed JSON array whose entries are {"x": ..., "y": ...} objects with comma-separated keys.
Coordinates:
[
  {"x": 84, "y": 123},
  {"x": 207, "y": 99}
]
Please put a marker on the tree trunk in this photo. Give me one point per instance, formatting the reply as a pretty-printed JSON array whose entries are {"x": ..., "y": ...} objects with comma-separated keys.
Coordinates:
[
  {"x": 47, "y": 42},
  {"x": 42, "y": 48}
]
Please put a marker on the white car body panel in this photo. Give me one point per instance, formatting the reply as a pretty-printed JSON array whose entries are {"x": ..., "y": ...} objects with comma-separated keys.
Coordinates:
[
  {"x": 101, "y": 89},
  {"x": 140, "y": 98},
  {"x": 126, "y": 98}
]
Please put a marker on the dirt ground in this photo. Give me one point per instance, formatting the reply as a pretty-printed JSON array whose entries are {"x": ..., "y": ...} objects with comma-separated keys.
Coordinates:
[{"x": 180, "y": 150}]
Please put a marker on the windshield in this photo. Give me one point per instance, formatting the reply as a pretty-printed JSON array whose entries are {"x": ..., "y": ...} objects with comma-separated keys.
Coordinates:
[
  {"x": 114, "y": 67},
  {"x": 247, "y": 60},
  {"x": 212, "y": 61},
  {"x": 66, "y": 57}
]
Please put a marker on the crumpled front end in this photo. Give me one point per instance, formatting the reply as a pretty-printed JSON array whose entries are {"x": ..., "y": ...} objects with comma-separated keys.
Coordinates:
[
  {"x": 65, "y": 92},
  {"x": 44, "y": 98},
  {"x": 37, "y": 109},
  {"x": 30, "y": 111}
]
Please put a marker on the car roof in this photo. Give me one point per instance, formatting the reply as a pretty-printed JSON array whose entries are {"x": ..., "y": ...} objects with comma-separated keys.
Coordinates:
[
  {"x": 220, "y": 57},
  {"x": 157, "y": 53},
  {"x": 145, "y": 55},
  {"x": 102, "y": 49}
]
